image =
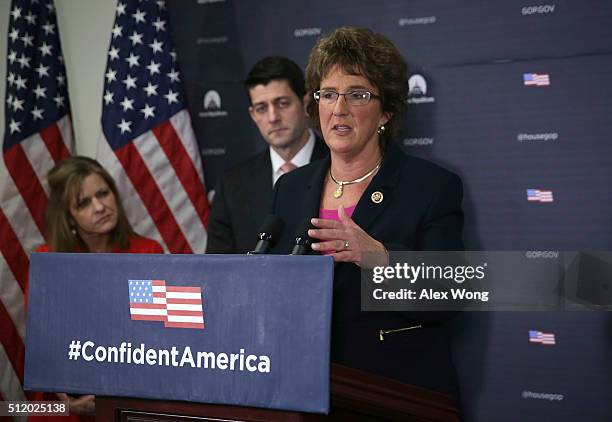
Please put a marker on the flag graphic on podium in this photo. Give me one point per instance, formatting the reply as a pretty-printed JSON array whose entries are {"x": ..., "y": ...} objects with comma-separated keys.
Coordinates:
[{"x": 176, "y": 306}]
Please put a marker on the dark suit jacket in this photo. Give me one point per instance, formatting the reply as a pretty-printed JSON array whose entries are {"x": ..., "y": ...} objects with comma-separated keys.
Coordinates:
[
  {"x": 243, "y": 198},
  {"x": 421, "y": 210}
]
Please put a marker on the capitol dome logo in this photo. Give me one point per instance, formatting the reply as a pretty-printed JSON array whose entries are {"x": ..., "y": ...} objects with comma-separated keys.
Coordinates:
[
  {"x": 417, "y": 90},
  {"x": 212, "y": 105},
  {"x": 212, "y": 100}
]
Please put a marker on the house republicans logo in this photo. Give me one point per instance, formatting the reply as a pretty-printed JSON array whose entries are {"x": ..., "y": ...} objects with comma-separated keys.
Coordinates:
[
  {"x": 175, "y": 306},
  {"x": 417, "y": 90},
  {"x": 212, "y": 105}
]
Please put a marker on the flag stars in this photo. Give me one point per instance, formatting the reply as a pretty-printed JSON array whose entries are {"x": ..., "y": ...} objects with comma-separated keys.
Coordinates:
[
  {"x": 127, "y": 104},
  {"x": 61, "y": 80},
  {"x": 42, "y": 70},
  {"x": 14, "y": 35},
  {"x": 9, "y": 100},
  {"x": 20, "y": 82},
  {"x": 156, "y": 46},
  {"x": 148, "y": 111},
  {"x": 132, "y": 60},
  {"x": 113, "y": 53},
  {"x": 14, "y": 126},
  {"x": 108, "y": 98},
  {"x": 117, "y": 31},
  {"x": 12, "y": 56},
  {"x": 139, "y": 16},
  {"x": 153, "y": 67},
  {"x": 124, "y": 126},
  {"x": 173, "y": 75},
  {"x": 161, "y": 4},
  {"x": 150, "y": 89},
  {"x": 27, "y": 40},
  {"x": 120, "y": 9},
  {"x": 31, "y": 18},
  {"x": 130, "y": 82},
  {"x": 45, "y": 49},
  {"x": 173, "y": 55},
  {"x": 17, "y": 104},
  {"x": 159, "y": 25},
  {"x": 59, "y": 100},
  {"x": 37, "y": 113},
  {"x": 136, "y": 38},
  {"x": 40, "y": 92},
  {"x": 111, "y": 75},
  {"x": 171, "y": 97},
  {"x": 24, "y": 61},
  {"x": 16, "y": 13},
  {"x": 11, "y": 78},
  {"x": 49, "y": 28}
]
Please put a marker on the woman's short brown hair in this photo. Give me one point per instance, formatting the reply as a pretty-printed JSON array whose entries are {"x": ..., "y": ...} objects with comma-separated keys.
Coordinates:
[
  {"x": 359, "y": 51},
  {"x": 65, "y": 181}
]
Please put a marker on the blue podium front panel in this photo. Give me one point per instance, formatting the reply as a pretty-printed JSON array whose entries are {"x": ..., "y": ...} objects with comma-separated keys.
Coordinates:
[{"x": 242, "y": 330}]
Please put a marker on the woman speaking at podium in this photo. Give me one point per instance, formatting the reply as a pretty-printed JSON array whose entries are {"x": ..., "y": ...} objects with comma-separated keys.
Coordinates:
[
  {"x": 84, "y": 214},
  {"x": 368, "y": 196}
]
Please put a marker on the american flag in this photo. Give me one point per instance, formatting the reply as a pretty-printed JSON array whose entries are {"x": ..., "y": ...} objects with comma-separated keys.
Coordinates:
[
  {"x": 542, "y": 338},
  {"x": 149, "y": 145},
  {"x": 536, "y": 79},
  {"x": 538, "y": 195},
  {"x": 176, "y": 306},
  {"x": 37, "y": 134}
]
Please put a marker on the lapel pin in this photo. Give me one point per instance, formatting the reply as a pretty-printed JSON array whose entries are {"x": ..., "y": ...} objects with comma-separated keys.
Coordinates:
[{"x": 377, "y": 197}]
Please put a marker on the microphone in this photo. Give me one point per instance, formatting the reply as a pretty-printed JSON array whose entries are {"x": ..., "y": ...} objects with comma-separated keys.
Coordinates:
[
  {"x": 269, "y": 233},
  {"x": 301, "y": 244}
]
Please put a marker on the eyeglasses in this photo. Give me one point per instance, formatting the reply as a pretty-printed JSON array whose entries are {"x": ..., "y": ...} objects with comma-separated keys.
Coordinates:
[{"x": 356, "y": 98}]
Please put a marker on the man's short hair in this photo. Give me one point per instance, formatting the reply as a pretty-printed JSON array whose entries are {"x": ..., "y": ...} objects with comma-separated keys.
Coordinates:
[{"x": 276, "y": 68}]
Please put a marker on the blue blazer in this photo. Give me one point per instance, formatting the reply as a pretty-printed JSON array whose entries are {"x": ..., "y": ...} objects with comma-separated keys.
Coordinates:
[{"x": 420, "y": 210}]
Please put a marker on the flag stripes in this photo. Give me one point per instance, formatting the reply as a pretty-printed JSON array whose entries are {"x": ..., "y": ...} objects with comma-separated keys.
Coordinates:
[{"x": 144, "y": 182}]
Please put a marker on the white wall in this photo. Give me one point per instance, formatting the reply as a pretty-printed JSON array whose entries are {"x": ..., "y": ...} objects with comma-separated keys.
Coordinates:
[{"x": 84, "y": 27}]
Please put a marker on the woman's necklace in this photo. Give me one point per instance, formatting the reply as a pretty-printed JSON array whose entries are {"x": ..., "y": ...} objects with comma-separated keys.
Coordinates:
[{"x": 341, "y": 183}]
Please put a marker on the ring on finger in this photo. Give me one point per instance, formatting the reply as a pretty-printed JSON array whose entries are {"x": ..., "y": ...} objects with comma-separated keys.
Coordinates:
[{"x": 346, "y": 244}]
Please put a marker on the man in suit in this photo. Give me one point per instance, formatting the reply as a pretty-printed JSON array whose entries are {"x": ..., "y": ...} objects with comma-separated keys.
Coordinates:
[{"x": 243, "y": 196}]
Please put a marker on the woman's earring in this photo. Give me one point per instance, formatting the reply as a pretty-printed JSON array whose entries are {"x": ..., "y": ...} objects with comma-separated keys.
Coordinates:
[{"x": 381, "y": 129}]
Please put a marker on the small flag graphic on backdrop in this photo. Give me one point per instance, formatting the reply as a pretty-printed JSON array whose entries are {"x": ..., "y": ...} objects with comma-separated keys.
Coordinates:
[
  {"x": 536, "y": 79},
  {"x": 540, "y": 337},
  {"x": 538, "y": 195},
  {"x": 176, "y": 306}
]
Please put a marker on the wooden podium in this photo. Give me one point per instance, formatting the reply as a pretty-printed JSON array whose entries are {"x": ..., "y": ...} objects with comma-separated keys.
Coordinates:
[{"x": 355, "y": 396}]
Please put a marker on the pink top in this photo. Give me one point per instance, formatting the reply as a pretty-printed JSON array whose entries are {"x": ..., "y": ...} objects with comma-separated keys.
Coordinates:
[{"x": 333, "y": 214}]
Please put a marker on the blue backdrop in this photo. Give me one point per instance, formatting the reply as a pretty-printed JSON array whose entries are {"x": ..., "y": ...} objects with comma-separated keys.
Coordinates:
[{"x": 478, "y": 118}]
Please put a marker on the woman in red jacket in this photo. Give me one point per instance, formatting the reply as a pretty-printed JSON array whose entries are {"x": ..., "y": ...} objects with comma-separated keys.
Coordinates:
[{"x": 84, "y": 214}]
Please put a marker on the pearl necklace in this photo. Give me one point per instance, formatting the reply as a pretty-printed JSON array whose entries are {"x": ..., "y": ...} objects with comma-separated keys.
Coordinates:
[{"x": 341, "y": 183}]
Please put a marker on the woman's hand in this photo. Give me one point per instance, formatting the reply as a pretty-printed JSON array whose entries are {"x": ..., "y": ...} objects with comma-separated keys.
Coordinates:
[
  {"x": 84, "y": 405},
  {"x": 345, "y": 241}
]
